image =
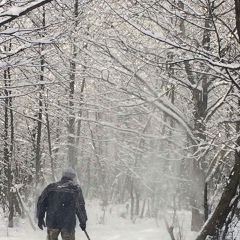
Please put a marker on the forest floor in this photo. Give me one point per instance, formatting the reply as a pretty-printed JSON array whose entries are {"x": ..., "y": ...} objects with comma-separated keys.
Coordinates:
[{"x": 114, "y": 227}]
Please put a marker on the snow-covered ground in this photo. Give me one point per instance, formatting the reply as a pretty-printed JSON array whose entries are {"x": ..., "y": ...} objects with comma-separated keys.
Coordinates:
[{"x": 114, "y": 227}]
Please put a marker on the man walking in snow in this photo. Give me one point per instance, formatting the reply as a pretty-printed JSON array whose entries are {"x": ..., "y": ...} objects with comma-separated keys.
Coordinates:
[{"x": 62, "y": 201}]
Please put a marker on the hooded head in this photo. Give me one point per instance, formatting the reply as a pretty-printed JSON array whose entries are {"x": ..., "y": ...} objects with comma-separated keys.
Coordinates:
[{"x": 69, "y": 173}]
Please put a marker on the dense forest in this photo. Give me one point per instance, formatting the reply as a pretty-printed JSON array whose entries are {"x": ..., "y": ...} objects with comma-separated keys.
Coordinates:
[{"x": 140, "y": 97}]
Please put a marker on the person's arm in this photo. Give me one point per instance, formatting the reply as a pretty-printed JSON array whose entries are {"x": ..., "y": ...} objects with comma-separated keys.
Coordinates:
[
  {"x": 80, "y": 209},
  {"x": 42, "y": 207}
]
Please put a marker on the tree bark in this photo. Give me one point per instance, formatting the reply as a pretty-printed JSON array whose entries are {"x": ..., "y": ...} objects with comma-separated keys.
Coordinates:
[
  {"x": 40, "y": 109},
  {"x": 72, "y": 153},
  {"x": 217, "y": 220},
  {"x": 49, "y": 142},
  {"x": 8, "y": 135},
  {"x": 237, "y": 11}
]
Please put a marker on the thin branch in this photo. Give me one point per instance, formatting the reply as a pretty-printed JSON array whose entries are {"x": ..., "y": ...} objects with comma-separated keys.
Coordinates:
[{"x": 24, "y": 11}]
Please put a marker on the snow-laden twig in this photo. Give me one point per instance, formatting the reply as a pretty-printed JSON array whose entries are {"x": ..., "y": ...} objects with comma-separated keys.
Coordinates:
[{"x": 17, "y": 11}]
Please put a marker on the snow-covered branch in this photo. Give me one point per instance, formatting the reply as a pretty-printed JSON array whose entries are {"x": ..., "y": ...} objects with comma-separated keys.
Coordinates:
[{"x": 17, "y": 11}]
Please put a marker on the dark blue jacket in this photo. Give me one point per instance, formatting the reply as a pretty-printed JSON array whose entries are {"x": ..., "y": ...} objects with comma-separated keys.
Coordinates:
[{"x": 62, "y": 201}]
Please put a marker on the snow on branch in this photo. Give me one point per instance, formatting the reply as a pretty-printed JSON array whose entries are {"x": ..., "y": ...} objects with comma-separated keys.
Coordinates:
[
  {"x": 205, "y": 55},
  {"x": 17, "y": 11}
]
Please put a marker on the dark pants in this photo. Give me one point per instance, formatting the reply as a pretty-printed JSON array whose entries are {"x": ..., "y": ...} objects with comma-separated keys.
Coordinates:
[{"x": 52, "y": 234}]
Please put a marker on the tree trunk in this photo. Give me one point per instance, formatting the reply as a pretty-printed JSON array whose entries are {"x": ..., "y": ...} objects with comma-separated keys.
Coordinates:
[
  {"x": 200, "y": 99},
  {"x": 40, "y": 108},
  {"x": 237, "y": 11},
  {"x": 218, "y": 218},
  {"x": 11, "y": 210},
  {"x": 137, "y": 208},
  {"x": 49, "y": 143},
  {"x": 216, "y": 222},
  {"x": 8, "y": 144},
  {"x": 132, "y": 201},
  {"x": 72, "y": 155},
  {"x": 143, "y": 209}
]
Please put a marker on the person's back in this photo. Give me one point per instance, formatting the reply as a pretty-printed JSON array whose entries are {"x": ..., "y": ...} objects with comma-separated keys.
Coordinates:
[{"x": 62, "y": 201}]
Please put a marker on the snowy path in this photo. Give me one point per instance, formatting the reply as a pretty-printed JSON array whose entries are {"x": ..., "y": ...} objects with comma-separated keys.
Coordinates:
[
  {"x": 100, "y": 232},
  {"x": 114, "y": 228},
  {"x": 115, "y": 231}
]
